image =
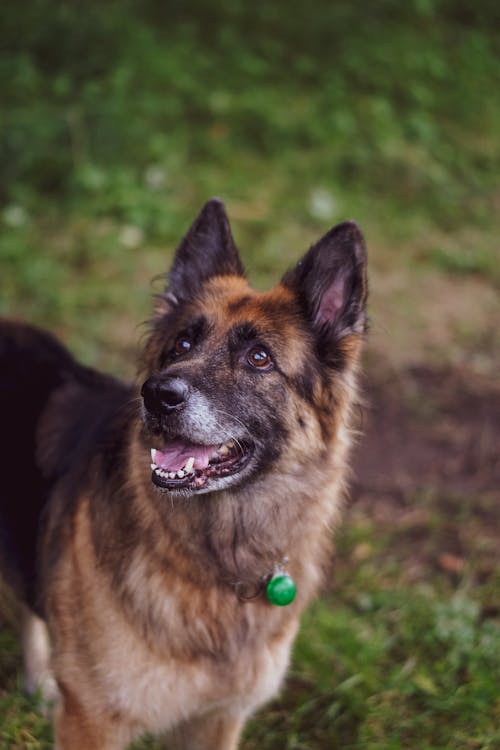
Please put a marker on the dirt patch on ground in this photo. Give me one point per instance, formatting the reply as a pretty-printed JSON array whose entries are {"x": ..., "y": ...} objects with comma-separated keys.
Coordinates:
[
  {"x": 427, "y": 470},
  {"x": 429, "y": 428}
]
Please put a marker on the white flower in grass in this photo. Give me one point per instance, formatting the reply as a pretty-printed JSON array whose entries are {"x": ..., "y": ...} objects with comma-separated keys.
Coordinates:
[
  {"x": 131, "y": 236},
  {"x": 155, "y": 177},
  {"x": 15, "y": 216},
  {"x": 322, "y": 204}
]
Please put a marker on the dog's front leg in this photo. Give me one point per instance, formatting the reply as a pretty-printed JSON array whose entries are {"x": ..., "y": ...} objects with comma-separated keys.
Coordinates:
[
  {"x": 77, "y": 728},
  {"x": 214, "y": 731},
  {"x": 37, "y": 655}
]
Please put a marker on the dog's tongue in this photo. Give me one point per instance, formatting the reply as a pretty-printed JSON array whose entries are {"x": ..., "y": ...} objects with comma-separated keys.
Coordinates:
[{"x": 175, "y": 455}]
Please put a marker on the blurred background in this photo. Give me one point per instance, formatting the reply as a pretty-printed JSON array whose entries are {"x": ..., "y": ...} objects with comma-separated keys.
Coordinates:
[{"x": 118, "y": 120}]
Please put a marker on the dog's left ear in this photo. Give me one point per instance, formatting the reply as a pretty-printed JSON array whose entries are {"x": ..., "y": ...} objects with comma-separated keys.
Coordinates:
[
  {"x": 330, "y": 283},
  {"x": 207, "y": 250}
]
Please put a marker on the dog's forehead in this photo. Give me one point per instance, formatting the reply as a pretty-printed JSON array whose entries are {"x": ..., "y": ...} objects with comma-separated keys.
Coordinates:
[
  {"x": 235, "y": 310},
  {"x": 230, "y": 300}
]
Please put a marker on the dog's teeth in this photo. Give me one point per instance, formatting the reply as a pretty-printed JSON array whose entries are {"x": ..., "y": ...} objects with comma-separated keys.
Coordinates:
[
  {"x": 153, "y": 454},
  {"x": 226, "y": 448},
  {"x": 189, "y": 465},
  {"x": 157, "y": 470},
  {"x": 171, "y": 475},
  {"x": 180, "y": 474},
  {"x": 154, "y": 466}
]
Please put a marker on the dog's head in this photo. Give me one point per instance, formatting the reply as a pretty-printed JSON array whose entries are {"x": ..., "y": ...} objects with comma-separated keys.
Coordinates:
[{"x": 238, "y": 379}]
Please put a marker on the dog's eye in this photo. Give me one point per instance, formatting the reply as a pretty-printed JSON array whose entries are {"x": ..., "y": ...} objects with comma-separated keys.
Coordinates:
[
  {"x": 259, "y": 358},
  {"x": 182, "y": 345}
]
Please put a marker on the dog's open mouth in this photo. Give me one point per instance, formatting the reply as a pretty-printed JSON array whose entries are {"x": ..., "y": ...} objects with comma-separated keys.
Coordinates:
[{"x": 184, "y": 465}]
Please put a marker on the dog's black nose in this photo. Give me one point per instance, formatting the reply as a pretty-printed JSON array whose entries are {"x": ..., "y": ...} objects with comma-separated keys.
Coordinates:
[
  {"x": 166, "y": 393},
  {"x": 173, "y": 392}
]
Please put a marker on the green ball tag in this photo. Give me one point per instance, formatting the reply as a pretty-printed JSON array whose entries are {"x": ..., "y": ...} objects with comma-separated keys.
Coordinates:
[{"x": 281, "y": 590}]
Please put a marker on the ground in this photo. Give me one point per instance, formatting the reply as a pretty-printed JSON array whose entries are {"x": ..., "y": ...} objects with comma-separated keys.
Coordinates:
[{"x": 427, "y": 470}]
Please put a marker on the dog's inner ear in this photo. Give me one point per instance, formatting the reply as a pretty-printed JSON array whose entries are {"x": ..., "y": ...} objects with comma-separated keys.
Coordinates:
[
  {"x": 331, "y": 302},
  {"x": 330, "y": 283},
  {"x": 207, "y": 250}
]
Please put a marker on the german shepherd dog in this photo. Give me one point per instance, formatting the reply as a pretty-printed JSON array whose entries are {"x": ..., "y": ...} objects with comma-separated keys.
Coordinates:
[{"x": 151, "y": 531}]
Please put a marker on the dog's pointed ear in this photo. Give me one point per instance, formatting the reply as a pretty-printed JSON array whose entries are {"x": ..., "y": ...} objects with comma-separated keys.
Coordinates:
[
  {"x": 330, "y": 284},
  {"x": 207, "y": 250}
]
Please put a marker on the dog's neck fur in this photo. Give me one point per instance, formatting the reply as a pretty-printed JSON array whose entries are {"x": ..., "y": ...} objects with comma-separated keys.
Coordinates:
[
  {"x": 237, "y": 536},
  {"x": 216, "y": 547}
]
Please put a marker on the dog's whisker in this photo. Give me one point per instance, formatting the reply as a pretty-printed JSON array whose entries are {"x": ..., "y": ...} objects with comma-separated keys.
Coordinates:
[{"x": 232, "y": 417}]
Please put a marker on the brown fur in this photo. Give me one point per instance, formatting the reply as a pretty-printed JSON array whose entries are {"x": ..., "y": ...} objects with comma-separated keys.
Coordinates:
[{"x": 142, "y": 590}]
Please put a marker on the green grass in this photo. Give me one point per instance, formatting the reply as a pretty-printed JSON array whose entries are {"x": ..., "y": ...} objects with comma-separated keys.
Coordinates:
[
  {"x": 361, "y": 96},
  {"x": 119, "y": 122},
  {"x": 390, "y": 671},
  {"x": 120, "y": 119}
]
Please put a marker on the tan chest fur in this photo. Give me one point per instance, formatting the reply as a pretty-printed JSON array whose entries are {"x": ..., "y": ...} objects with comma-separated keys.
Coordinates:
[{"x": 122, "y": 669}]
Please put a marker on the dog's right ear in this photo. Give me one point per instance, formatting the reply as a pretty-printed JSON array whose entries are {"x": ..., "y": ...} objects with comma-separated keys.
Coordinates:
[
  {"x": 207, "y": 250},
  {"x": 330, "y": 285}
]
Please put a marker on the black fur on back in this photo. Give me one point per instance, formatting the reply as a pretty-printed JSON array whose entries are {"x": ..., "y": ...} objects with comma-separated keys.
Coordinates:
[{"x": 34, "y": 369}]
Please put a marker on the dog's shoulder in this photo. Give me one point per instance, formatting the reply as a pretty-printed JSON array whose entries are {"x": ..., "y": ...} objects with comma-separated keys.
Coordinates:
[
  {"x": 84, "y": 417},
  {"x": 56, "y": 414}
]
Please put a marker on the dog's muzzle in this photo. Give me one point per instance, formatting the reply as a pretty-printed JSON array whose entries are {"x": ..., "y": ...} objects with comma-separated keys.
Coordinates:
[{"x": 194, "y": 451}]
